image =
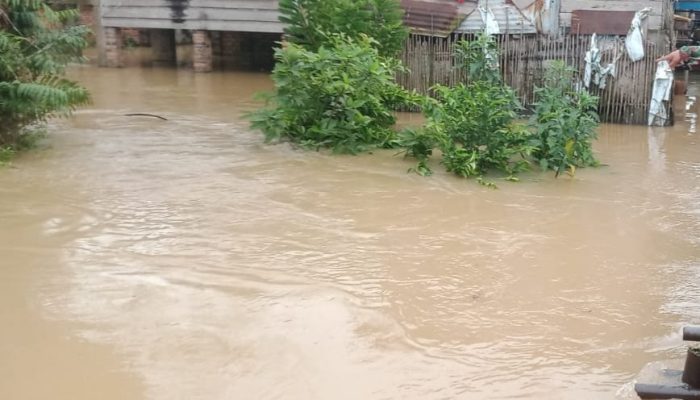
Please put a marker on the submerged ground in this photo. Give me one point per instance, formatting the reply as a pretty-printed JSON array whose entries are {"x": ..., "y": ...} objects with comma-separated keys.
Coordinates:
[{"x": 185, "y": 259}]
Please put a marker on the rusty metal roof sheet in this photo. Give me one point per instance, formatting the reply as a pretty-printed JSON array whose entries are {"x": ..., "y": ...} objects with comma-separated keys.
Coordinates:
[
  {"x": 509, "y": 17},
  {"x": 431, "y": 18},
  {"x": 588, "y": 22}
]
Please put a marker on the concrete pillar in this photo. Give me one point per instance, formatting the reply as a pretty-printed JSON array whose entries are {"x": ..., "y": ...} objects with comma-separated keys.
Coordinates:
[
  {"x": 202, "y": 54},
  {"x": 87, "y": 18},
  {"x": 163, "y": 46},
  {"x": 112, "y": 47},
  {"x": 99, "y": 34}
]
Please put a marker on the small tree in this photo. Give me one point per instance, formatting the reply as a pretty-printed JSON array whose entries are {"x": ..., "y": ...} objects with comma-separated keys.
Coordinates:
[
  {"x": 339, "y": 97},
  {"x": 35, "y": 47},
  {"x": 475, "y": 124},
  {"x": 310, "y": 22},
  {"x": 479, "y": 58},
  {"x": 565, "y": 121}
]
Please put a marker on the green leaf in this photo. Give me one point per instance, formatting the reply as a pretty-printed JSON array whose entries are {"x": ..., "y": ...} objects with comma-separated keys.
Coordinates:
[{"x": 36, "y": 44}]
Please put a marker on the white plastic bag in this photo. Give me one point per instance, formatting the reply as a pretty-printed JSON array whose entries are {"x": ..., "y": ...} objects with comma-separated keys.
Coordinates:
[
  {"x": 595, "y": 73},
  {"x": 490, "y": 24},
  {"x": 635, "y": 45},
  {"x": 592, "y": 62},
  {"x": 635, "y": 40}
]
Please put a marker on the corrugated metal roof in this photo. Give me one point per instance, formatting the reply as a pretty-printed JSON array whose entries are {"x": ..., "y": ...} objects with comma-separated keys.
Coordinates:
[
  {"x": 508, "y": 16},
  {"x": 431, "y": 18}
]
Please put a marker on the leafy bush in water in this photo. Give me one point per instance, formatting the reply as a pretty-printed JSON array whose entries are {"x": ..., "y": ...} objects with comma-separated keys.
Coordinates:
[
  {"x": 339, "y": 97},
  {"x": 474, "y": 125},
  {"x": 311, "y": 23},
  {"x": 477, "y": 124},
  {"x": 35, "y": 47},
  {"x": 565, "y": 121}
]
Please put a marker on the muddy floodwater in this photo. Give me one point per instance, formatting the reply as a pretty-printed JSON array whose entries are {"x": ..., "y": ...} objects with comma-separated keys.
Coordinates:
[{"x": 186, "y": 259}]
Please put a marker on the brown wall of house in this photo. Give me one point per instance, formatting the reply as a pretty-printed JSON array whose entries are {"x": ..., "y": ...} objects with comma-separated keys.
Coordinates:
[{"x": 654, "y": 20}]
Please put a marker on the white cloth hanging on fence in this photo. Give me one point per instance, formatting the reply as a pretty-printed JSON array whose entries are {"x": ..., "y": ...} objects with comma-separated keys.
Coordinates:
[
  {"x": 595, "y": 72},
  {"x": 635, "y": 40},
  {"x": 490, "y": 24},
  {"x": 661, "y": 94},
  {"x": 592, "y": 61}
]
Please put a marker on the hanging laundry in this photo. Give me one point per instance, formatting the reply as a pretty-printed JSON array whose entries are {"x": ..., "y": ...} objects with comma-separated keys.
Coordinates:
[
  {"x": 635, "y": 40},
  {"x": 661, "y": 94}
]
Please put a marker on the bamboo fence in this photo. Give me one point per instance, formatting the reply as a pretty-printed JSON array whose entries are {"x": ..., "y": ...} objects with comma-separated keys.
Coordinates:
[{"x": 523, "y": 60}]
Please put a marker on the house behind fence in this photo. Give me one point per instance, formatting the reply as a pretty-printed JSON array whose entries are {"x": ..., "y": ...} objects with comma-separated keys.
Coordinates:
[{"x": 532, "y": 34}]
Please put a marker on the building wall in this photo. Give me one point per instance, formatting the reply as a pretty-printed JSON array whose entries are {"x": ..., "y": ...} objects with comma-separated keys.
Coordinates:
[
  {"x": 87, "y": 18},
  {"x": 655, "y": 20},
  {"x": 550, "y": 16},
  {"x": 509, "y": 17},
  {"x": 212, "y": 15},
  {"x": 262, "y": 15}
]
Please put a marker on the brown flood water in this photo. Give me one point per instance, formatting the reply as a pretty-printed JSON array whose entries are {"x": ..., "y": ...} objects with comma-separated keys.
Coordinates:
[{"x": 185, "y": 259}]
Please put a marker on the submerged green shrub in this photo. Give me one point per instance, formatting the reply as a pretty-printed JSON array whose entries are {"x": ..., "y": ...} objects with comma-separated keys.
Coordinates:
[
  {"x": 6, "y": 154},
  {"x": 474, "y": 125},
  {"x": 565, "y": 121},
  {"x": 419, "y": 144},
  {"x": 478, "y": 127},
  {"x": 340, "y": 97}
]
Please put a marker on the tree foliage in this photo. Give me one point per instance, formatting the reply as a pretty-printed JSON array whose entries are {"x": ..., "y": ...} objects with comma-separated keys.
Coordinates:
[
  {"x": 341, "y": 96},
  {"x": 36, "y": 44},
  {"x": 479, "y": 57},
  {"x": 479, "y": 124},
  {"x": 474, "y": 125},
  {"x": 335, "y": 89},
  {"x": 311, "y": 23},
  {"x": 476, "y": 128},
  {"x": 565, "y": 121}
]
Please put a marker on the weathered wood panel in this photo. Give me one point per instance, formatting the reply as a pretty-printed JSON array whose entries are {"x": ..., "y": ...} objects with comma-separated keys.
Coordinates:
[
  {"x": 223, "y": 26},
  {"x": 654, "y": 22},
  {"x": 219, "y": 15},
  {"x": 251, "y": 4},
  {"x": 200, "y": 14},
  {"x": 261, "y": 15},
  {"x": 524, "y": 60},
  {"x": 655, "y": 19},
  {"x": 600, "y": 22},
  {"x": 618, "y": 5}
]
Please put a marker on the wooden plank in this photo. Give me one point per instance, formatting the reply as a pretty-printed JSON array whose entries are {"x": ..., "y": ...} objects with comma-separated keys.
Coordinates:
[
  {"x": 240, "y": 26},
  {"x": 568, "y": 6},
  {"x": 654, "y": 21},
  {"x": 523, "y": 63},
  {"x": 247, "y": 4},
  {"x": 588, "y": 22},
  {"x": 212, "y": 14}
]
